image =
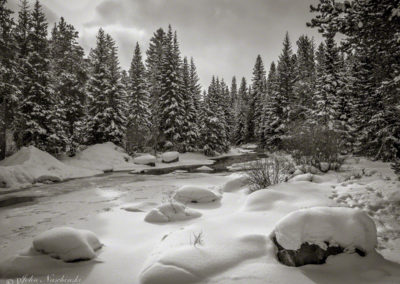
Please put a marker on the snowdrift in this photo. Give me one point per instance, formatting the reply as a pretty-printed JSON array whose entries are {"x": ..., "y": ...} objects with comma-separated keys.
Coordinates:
[
  {"x": 31, "y": 165},
  {"x": 103, "y": 157},
  {"x": 170, "y": 212}
]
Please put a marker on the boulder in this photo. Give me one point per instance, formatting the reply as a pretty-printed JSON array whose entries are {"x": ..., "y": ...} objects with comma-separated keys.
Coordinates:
[
  {"x": 194, "y": 194},
  {"x": 147, "y": 160},
  {"x": 170, "y": 157},
  {"x": 324, "y": 167}
]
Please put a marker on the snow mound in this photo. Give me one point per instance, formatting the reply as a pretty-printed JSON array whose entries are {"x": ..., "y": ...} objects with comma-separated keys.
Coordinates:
[
  {"x": 176, "y": 260},
  {"x": 170, "y": 212},
  {"x": 139, "y": 207},
  {"x": 30, "y": 165},
  {"x": 170, "y": 157},
  {"x": 204, "y": 169},
  {"x": 104, "y": 157},
  {"x": 146, "y": 159},
  {"x": 67, "y": 243},
  {"x": 235, "y": 182},
  {"x": 303, "y": 177},
  {"x": 194, "y": 194},
  {"x": 346, "y": 227}
]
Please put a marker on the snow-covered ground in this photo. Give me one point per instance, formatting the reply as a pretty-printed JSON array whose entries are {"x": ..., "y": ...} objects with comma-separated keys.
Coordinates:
[{"x": 228, "y": 243}]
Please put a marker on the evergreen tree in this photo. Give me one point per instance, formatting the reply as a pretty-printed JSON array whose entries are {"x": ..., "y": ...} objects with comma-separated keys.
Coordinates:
[
  {"x": 69, "y": 74},
  {"x": 257, "y": 100},
  {"x": 190, "y": 130},
  {"x": 195, "y": 89},
  {"x": 241, "y": 120},
  {"x": 138, "y": 124},
  {"x": 8, "y": 74},
  {"x": 171, "y": 95},
  {"x": 37, "y": 118}
]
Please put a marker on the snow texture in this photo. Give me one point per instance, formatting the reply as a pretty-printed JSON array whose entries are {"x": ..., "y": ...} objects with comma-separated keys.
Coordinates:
[
  {"x": 204, "y": 169},
  {"x": 193, "y": 194},
  {"x": 170, "y": 212},
  {"x": 349, "y": 228},
  {"x": 31, "y": 165},
  {"x": 235, "y": 182},
  {"x": 67, "y": 243}
]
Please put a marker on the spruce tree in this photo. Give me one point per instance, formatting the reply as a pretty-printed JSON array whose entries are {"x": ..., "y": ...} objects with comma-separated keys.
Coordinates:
[
  {"x": 138, "y": 120},
  {"x": 171, "y": 95},
  {"x": 240, "y": 132}
]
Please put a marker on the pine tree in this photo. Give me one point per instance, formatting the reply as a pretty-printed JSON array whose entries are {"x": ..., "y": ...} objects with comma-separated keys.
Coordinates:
[
  {"x": 106, "y": 121},
  {"x": 195, "y": 89},
  {"x": 154, "y": 62},
  {"x": 241, "y": 120},
  {"x": 37, "y": 118},
  {"x": 171, "y": 96},
  {"x": 69, "y": 77},
  {"x": 8, "y": 74},
  {"x": 190, "y": 130},
  {"x": 138, "y": 124},
  {"x": 257, "y": 100}
]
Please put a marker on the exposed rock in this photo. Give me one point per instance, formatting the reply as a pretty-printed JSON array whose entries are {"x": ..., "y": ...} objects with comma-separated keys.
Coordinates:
[{"x": 324, "y": 167}]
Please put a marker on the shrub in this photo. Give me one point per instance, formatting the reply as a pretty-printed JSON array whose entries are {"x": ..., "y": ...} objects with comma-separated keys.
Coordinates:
[
  {"x": 314, "y": 146},
  {"x": 266, "y": 172}
]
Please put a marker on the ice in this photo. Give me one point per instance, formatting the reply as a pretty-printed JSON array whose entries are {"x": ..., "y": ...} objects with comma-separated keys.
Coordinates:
[
  {"x": 347, "y": 227},
  {"x": 194, "y": 194}
]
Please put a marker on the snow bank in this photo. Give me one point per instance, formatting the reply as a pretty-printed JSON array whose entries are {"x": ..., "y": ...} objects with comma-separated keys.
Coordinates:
[
  {"x": 170, "y": 157},
  {"x": 170, "y": 212},
  {"x": 193, "y": 194},
  {"x": 31, "y": 165},
  {"x": 303, "y": 177},
  {"x": 235, "y": 182},
  {"x": 146, "y": 159},
  {"x": 67, "y": 243},
  {"x": 139, "y": 207},
  {"x": 342, "y": 226},
  {"x": 104, "y": 157},
  {"x": 177, "y": 260}
]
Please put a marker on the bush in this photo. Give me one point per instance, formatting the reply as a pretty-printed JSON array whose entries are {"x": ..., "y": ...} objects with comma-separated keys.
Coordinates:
[
  {"x": 266, "y": 172},
  {"x": 316, "y": 146}
]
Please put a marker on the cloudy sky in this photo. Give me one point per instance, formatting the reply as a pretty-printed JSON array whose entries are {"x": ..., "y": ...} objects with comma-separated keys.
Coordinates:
[{"x": 223, "y": 36}]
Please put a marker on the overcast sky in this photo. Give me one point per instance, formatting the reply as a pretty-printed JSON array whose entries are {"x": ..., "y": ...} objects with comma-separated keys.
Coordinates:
[{"x": 223, "y": 36}]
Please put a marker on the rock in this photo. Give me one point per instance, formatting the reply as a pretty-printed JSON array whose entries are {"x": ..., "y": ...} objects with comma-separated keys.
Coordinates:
[
  {"x": 171, "y": 212},
  {"x": 194, "y": 194},
  {"x": 148, "y": 160},
  {"x": 298, "y": 172},
  {"x": 67, "y": 243},
  {"x": 307, "y": 254},
  {"x": 170, "y": 157},
  {"x": 301, "y": 168},
  {"x": 324, "y": 167},
  {"x": 304, "y": 177},
  {"x": 47, "y": 178},
  {"x": 313, "y": 170}
]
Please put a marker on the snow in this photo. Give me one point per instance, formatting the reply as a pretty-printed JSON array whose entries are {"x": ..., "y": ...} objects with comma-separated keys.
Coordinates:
[
  {"x": 170, "y": 212},
  {"x": 346, "y": 227},
  {"x": 103, "y": 157},
  {"x": 168, "y": 157},
  {"x": 67, "y": 243},
  {"x": 236, "y": 181},
  {"x": 139, "y": 206},
  {"x": 234, "y": 245},
  {"x": 30, "y": 165},
  {"x": 194, "y": 194},
  {"x": 204, "y": 169},
  {"x": 146, "y": 159},
  {"x": 303, "y": 177}
]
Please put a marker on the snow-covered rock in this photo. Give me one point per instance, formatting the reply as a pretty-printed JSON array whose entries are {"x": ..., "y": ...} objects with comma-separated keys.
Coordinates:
[
  {"x": 235, "y": 182},
  {"x": 105, "y": 157},
  {"x": 170, "y": 157},
  {"x": 169, "y": 212},
  {"x": 31, "y": 165},
  {"x": 324, "y": 167},
  {"x": 298, "y": 172},
  {"x": 194, "y": 194},
  {"x": 303, "y": 177},
  {"x": 147, "y": 159},
  {"x": 139, "y": 207},
  {"x": 67, "y": 243},
  {"x": 204, "y": 169},
  {"x": 345, "y": 227}
]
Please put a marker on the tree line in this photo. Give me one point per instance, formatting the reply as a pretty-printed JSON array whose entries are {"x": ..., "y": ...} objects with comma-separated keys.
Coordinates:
[{"x": 55, "y": 98}]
